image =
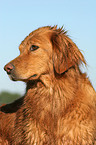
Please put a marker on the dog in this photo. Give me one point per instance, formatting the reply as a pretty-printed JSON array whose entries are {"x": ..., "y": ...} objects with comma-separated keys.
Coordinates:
[{"x": 59, "y": 106}]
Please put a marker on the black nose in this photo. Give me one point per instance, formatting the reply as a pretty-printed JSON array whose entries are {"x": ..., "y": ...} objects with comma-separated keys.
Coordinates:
[{"x": 8, "y": 68}]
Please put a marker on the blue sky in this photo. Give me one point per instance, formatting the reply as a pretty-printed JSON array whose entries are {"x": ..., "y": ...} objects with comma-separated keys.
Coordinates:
[{"x": 18, "y": 18}]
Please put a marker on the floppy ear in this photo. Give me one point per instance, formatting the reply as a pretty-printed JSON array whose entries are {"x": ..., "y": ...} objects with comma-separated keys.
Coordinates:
[{"x": 65, "y": 52}]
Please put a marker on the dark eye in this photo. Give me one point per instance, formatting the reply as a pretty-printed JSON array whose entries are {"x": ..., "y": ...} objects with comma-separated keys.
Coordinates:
[{"x": 34, "y": 47}]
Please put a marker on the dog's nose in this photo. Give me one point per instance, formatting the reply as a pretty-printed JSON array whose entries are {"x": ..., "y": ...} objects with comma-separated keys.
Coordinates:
[{"x": 8, "y": 68}]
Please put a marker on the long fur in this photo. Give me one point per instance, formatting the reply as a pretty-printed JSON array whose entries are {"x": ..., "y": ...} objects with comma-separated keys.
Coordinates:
[{"x": 59, "y": 106}]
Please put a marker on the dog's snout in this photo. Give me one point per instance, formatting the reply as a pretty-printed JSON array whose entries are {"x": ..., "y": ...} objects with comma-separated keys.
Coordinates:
[{"x": 8, "y": 68}]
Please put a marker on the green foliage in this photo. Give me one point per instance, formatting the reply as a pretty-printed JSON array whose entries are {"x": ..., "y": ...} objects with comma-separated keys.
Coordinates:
[{"x": 7, "y": 97}]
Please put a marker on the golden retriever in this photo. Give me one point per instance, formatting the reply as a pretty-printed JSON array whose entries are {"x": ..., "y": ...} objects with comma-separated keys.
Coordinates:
[{"x": 59, "y": 106}]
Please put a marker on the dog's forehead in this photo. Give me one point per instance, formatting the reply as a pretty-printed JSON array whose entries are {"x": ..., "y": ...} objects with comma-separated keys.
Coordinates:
[
  {"x": 39, "y": 34},
  {"x": 35, "y": 36},
  {"x": 32, "y": 39}
]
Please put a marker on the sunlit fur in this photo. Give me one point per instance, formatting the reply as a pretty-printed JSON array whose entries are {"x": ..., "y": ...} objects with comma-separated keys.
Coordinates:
[{"x": 59, "y": 106}]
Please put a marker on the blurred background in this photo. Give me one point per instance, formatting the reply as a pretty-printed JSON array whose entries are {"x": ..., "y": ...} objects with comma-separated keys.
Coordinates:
[{"x": 18, "y": 18}]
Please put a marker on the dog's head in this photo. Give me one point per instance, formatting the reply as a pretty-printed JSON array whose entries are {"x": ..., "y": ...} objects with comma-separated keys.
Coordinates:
[{"x": 45, "y": 50}]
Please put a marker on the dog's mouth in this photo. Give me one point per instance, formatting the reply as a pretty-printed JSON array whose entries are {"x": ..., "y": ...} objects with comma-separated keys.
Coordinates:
[
  {"x": 33, "y": 77},
  {"x": 15, "y": 78}
]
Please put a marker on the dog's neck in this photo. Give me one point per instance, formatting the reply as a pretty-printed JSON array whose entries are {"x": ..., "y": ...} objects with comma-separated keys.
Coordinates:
[
  {"x": 50, "y": 93},
  {"x": 50, "y": 98}
]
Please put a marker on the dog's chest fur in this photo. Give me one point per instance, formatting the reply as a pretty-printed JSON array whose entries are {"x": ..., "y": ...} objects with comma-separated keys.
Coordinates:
[{"x": 48, "y": 117}]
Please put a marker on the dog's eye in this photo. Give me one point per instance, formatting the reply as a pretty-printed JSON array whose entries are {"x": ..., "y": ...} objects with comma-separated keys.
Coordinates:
[{"x": 34, "y": 47}]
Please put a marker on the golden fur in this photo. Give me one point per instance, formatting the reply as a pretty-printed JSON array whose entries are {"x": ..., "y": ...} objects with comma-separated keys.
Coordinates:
[{"x": 59, "y": 106}]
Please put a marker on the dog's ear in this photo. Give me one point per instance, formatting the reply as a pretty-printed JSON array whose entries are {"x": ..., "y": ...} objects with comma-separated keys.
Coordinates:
[{"x": 65, "y": 52}]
